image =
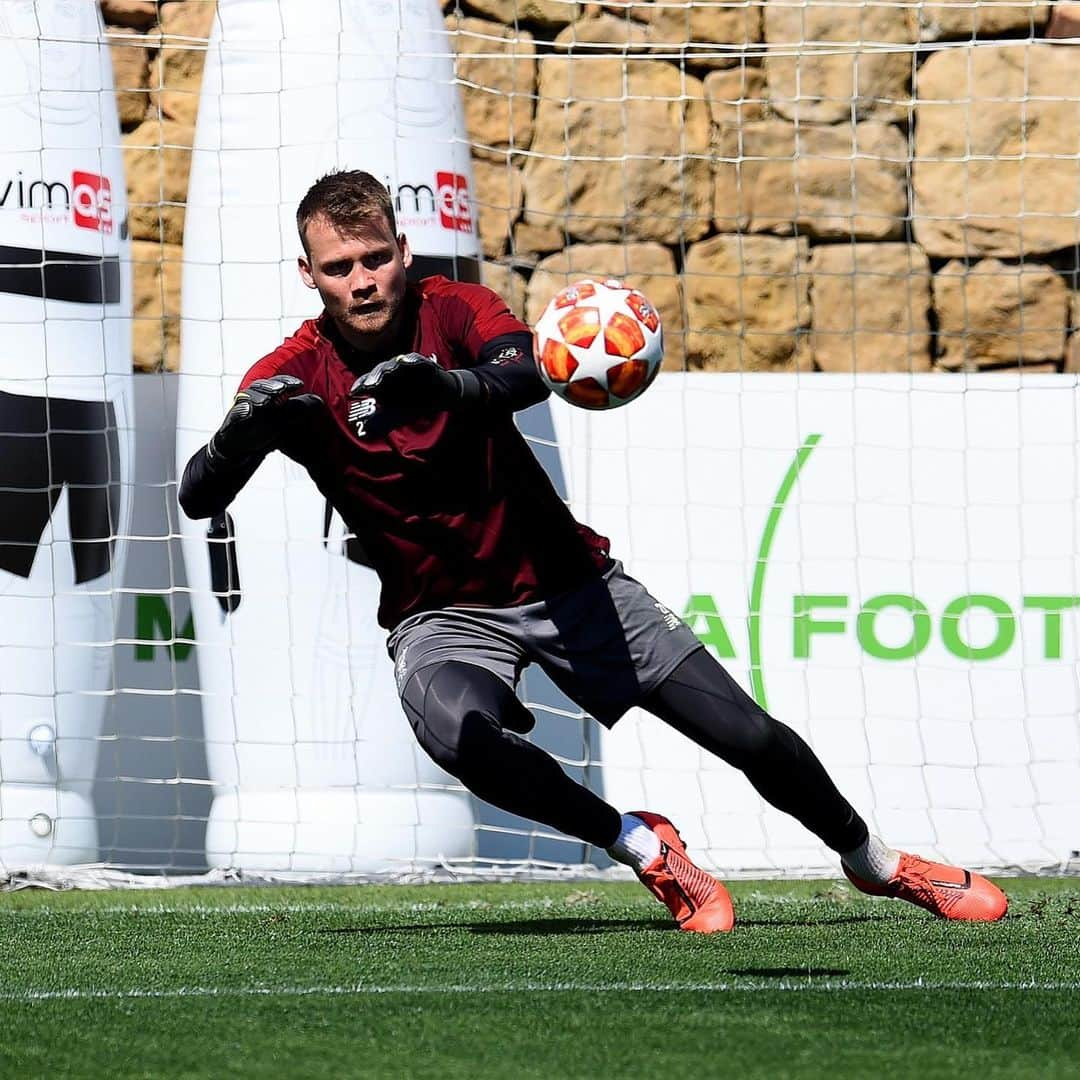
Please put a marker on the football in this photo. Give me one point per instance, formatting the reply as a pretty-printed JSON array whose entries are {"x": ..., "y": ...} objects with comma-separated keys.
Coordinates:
[{"x": 599, "y": 344}]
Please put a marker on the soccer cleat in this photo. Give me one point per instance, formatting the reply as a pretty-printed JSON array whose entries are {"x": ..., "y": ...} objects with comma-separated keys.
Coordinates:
[
  {"x": 697, "y": 901},
  {"x": 946, "y": 891}
]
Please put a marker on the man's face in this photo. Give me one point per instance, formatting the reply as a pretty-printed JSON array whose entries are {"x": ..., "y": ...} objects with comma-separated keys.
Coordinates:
[{"x": 361, "y": 279}]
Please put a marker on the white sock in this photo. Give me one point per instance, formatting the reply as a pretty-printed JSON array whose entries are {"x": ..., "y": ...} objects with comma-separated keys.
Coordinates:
[
  {"x": 636, "y": 845},
  {"x": 873, "y": 861}
]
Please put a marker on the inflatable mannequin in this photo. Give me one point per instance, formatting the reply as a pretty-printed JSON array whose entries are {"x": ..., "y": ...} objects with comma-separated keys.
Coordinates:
[
  {"x": 65, "y": 420},
  {"x": 314, "y": 767}
]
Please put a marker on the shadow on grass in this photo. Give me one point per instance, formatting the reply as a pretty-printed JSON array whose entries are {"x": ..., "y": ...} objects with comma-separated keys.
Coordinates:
[
  {"x": 839, "y": 920},
  {"x": 531, "y": 926},
  {"x": 570, "y": 926},
  {"x": 787, "y": 972}
]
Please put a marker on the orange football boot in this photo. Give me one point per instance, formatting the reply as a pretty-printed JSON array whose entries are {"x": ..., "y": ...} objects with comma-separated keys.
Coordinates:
[
  {"x": 697, "y": 901},
  {"x": 946, "y": 891}
]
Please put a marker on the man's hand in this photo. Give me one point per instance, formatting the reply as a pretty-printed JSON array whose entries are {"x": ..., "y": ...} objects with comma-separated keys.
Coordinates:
[
  {"x": 412, "y": 381},
  {"x": 258, "y": 418}
]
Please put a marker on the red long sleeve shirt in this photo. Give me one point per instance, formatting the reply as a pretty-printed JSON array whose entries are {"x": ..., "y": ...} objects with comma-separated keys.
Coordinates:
[{"x": 450, "y": 508}]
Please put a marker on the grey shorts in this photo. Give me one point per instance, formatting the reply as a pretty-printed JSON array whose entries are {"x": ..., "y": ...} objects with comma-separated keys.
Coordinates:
[{"x": 606, "y": 644}]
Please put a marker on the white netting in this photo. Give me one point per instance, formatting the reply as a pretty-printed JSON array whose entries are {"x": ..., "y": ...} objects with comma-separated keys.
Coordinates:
[{"x": 861, "y": 225}]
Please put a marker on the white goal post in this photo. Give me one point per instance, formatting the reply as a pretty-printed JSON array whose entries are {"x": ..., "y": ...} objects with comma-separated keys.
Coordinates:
[{"x": 857, "y": 477}]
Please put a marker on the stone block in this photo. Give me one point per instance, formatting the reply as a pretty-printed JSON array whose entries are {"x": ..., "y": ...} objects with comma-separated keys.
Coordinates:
[
  {"x": 549, "y": 14},
  {"x": 703, "y": 35},
  {"x": 997, "y": 151},
  {"x": 533, "y": 239},
  {"x": 871, "y": 307},
  {"x": 1064, "y": 21},
  {"x": 497, "y": 67},
  {"x": 157, "y": 157},
  {"x": 747, "y": 303},
  {"x": 185, "y": 29},
  {"x": 621, "y": 151},
  {"x": 736, "y": 96},
  {"x": 996, "y": 314},
  {"x": 598, "y": 28},
  {"x": 978, "y": 19},
  {"x": 131, "y": 77},
  {"x": 825, "y": 182},
  {"x": 1072, "y": 354},
  {"x": 499, "y": 192},
  {"x": 509, "y": 283},
  {"x": 155, "y": 328},
  {"x": 814, "y": 77},
  {"x": 134, "y": 14}
]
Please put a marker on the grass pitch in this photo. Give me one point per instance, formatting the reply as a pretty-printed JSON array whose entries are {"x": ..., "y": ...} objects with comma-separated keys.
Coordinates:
[{"x": 536, "y": 980}]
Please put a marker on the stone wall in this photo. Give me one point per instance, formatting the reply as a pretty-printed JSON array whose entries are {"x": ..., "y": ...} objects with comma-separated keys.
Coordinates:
[
  {"x": 157, "y": 50},
  {"x": 905, "y": 198}
]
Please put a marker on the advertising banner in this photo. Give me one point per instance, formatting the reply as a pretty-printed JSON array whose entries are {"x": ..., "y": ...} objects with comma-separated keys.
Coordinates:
[{"x": 889, "y": 565}]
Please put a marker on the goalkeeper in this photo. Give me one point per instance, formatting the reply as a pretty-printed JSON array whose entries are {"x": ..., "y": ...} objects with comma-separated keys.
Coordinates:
[{"x": 399, "y": 400}]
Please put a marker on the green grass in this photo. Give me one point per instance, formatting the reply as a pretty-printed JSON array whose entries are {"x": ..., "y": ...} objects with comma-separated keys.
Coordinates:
[{"x": 537, "y": 980}]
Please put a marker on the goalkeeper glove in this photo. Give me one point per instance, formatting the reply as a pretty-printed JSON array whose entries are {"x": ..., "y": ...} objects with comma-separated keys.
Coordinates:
[
  {"x": 258, "y": 418},
  {"x": 417, "y": 382}
]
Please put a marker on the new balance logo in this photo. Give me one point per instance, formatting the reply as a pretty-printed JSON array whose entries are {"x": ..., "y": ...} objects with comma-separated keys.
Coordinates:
[
  {"x": 359, "y": 411},
  {"x": 671, "y": 620},
  {"x": 506, "y": 354}
]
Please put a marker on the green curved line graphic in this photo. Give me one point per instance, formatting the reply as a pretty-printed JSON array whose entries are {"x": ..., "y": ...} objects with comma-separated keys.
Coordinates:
[{"x": 757, "y": 680}]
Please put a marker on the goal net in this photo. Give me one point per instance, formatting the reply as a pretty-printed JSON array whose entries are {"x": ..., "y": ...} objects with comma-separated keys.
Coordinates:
[{"x": 856, "y": 478}]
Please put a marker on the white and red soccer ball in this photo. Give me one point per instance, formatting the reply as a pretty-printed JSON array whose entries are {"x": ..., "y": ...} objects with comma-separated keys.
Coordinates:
[{"x": 599, "y": 344}]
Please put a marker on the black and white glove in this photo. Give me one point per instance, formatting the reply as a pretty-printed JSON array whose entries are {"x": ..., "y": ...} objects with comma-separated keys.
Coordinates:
[
  {"x": 416, "y": 382},
  {"x": 259, "y": 417}
]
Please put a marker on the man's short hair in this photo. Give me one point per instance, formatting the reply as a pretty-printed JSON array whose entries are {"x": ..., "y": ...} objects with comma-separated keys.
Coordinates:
[{"x": 348, "y": 199}]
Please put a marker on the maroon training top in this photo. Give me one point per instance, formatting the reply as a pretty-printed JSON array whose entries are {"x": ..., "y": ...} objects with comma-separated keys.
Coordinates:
[{"x": 451, "y": 508}]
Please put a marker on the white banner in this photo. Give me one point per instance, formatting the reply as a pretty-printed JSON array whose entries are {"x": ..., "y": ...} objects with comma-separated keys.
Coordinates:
[{"x": 889, "y": 565}]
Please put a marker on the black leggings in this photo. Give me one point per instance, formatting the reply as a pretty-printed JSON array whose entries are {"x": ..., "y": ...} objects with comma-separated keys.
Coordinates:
[
  {"x": 465, "y": 717},
  {"x": 701, "y": 700}
]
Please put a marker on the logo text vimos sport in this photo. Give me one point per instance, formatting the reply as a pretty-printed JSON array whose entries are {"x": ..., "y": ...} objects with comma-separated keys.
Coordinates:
[
  {"x": 422, "y": 204},
  {"x": 87, "y": 197}
]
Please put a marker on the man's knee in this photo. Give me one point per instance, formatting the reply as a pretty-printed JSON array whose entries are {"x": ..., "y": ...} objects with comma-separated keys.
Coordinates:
[
  {"x": 757, "y": 737},
  {"x": 457, "y": 710}
]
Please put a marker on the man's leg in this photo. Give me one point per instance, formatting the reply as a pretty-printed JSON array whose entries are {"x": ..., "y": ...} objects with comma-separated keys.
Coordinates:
[
  {"x": 701, "y": 700},
  {"x": 465, "y": 718}
]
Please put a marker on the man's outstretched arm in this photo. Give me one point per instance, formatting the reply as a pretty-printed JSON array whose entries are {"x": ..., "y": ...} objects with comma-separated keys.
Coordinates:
[
  {"x": 205, "y": 491},
  {"x": 255, "y": 424},
  {"x": 505, "y": 378},
  {"x": 507, "y": 372}
]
